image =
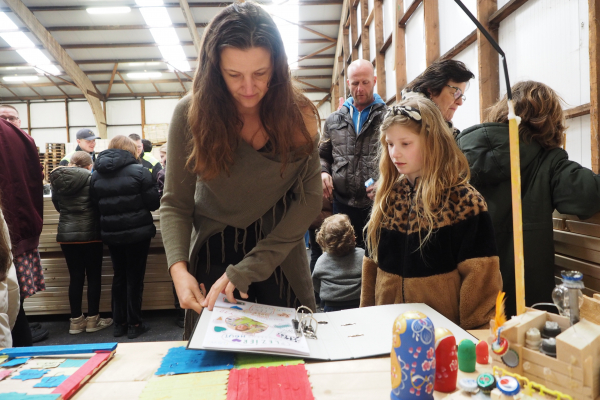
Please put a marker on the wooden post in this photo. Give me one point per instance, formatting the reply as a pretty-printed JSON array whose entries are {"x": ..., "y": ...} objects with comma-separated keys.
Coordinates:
[
  {"x": 143, "y": 102},
  {"x": 432, "y": 31},
  {"x": 67, "y": 116},
  {"x": 400, "y": 50},
  {"x": 346, "y": 51},
  {"x": 489, "y": 75},
  {"x": 379, "y": 56},
  {"x": 29, "y": 117},
  {"x": 354, "y": 28},
  {"x": 335, "y": 96},
  {"x": 594, "y": 15},
  {"x": 364, "y": 14},
  {"x": 342, "y": 77}
]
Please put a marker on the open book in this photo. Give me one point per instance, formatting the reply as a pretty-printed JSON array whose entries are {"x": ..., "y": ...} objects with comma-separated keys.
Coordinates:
[
  {"x": 250, "y": 326},
  {"x": 340, "y": 335}
]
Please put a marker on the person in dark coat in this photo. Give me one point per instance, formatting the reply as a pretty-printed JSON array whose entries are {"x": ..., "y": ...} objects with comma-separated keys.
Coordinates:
[
  {"x": 79, "y": 238},
  {"x": 549, "y": 181},
  {"x": 125, "y": 193},
  {"x": 23, "y": 205}
]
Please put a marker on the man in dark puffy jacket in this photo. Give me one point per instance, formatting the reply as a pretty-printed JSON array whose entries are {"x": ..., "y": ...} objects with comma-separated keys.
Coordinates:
[
  {"x": 125, "y": 193},
  {"x": 349, "y": 148}
]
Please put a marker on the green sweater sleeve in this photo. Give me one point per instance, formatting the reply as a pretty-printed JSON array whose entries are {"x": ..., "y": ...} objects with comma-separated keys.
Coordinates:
[
  {"x": 271, "y": 251},
  {"x": 177, "y": 204},
  {"x": 575, "y": 189}
]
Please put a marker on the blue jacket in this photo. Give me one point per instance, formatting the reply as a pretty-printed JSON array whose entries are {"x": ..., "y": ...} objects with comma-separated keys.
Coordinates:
[{"x": 360, "y": 117}]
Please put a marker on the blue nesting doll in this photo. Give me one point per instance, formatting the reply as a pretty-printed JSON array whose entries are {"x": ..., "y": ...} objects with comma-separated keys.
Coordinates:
[{"x": 413, "y": 357}]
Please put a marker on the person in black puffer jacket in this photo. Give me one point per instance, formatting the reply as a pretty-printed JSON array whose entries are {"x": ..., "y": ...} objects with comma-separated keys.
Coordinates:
[
  {"x": 125, "y": 193},
  {"x": 79, "y": 238}
]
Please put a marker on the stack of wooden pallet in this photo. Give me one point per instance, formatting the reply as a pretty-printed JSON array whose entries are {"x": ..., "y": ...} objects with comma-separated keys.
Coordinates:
[
  {"x": 158, "y": 291},
  {"x": 54, "y": 153},
  {"x": 577, "y": 247}
]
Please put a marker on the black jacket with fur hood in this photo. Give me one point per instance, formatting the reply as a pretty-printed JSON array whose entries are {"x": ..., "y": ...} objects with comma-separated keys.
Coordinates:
[{"x": 125, "y": 193}]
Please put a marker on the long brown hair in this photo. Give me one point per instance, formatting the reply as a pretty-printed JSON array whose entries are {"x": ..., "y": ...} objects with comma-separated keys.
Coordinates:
[
  {"x": 81, "y": 159},
  {"x": 542, "y": 117},
  {"x": 213, "y": 117},
  {"x": 444, "y": 166},
  {"x": 124, "y": 143},
  {"x": 5, "y": 253}
]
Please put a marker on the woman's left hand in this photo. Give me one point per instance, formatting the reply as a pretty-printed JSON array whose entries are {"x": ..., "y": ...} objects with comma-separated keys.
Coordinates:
[{"x": 222, "y": 285}]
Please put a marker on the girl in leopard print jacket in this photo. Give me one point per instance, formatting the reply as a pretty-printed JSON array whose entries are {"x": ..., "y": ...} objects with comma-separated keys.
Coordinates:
[{"x": 430, "y": 238}]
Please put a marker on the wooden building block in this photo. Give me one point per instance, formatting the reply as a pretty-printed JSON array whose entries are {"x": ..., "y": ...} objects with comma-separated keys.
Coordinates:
[
  {"x": 578, "y": 342},
  {"x": 590, "y": 309}
]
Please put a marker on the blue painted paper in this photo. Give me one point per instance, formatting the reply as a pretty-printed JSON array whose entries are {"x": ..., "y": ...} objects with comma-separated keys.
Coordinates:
[
  {"x": 181, "y": 361},
  {"x": 56, "y": 350},
  {"x": 73, "y": 363},
  {"x": 51, "y": 381},
  {"x": 25, "y": 396},
  {"x": 15, "y": 362},
  {"x": 27, "y": 374}
]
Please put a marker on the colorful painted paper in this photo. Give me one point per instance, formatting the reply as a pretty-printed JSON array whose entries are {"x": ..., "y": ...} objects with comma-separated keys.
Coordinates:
[
  {"x": 27, "y": 374},
  {"x": 44, "y": 364},
  {"x": 181, "y": 361},
  {"x": 273, "y": 383},
  {"x": 204, "y": 386},
  {"x": 15, "y": 362},
  {"x": 74, "y": 363},
  {"x": 51, "y": 381},
  {"x": 249, "y": 360},
  {"x": 25, "y": 396},
  {"x": 251, "y": 326},
  {"x": 37, "y": 351},
  {"x": 4, "y": 373}
]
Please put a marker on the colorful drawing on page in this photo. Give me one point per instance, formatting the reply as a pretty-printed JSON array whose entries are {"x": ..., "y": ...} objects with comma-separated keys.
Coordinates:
[
  {"x": 245, "y": 325},
  {"x": 26, "y": 374}
]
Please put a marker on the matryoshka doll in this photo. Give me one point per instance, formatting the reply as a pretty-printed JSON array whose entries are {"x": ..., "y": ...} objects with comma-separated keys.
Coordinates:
[
  {"x": 446, "y": 361},
  {"x": 413, "y": 357}
]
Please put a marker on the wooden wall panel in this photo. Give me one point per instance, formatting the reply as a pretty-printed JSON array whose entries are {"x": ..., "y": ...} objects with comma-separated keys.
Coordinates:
[{"x": 489, "y": 78}]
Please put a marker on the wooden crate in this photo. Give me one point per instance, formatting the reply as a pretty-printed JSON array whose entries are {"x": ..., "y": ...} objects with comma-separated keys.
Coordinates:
[{"x": 158, "y": 289}]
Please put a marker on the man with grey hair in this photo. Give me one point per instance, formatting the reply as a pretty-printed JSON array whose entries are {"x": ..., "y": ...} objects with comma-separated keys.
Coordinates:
[
  {"x": 349, "y": 148},
  {"x": 10, "y": 114}
]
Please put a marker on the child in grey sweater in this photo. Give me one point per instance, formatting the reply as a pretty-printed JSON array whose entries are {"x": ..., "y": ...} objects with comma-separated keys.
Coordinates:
[{"x": 337, "y": 274}]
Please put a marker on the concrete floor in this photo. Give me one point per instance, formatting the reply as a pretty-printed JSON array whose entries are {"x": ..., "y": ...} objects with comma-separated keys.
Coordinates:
[{"x": 161, "y": 322}]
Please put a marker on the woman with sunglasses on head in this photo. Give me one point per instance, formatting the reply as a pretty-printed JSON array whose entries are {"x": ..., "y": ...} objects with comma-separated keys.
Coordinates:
[
  {"x": 445, "y": 83},
  {"x": 244, "y": 178}
]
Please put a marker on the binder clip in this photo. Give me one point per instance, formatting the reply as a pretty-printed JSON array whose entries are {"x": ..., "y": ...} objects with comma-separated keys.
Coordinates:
[{"x": 305, "y": 323}]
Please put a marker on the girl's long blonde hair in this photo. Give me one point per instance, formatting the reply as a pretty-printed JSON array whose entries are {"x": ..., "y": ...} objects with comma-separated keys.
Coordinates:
[{"x": 444, "y": 166}]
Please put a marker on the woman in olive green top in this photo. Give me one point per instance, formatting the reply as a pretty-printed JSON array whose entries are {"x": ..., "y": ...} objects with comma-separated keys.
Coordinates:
[{"x": 243, "y": 183}]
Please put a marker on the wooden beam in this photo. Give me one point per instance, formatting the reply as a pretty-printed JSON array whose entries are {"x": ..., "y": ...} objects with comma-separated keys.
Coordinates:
[
  {"x": 594, "y": 18},
  {"x": 370, "y": 18},
  {"x": 120, "y": 76},
  {"x": 302, "y": 58},
  {"x": 432, "y": 31},
  {"x": 346, "y": 56},
  {"x": 578, "y": 111},
  {"x": 154, "y": 84},
  {"x": 408, "y": 13},
  {"x": 339, "y": 45},
  {"x": 57, "y": 86},
  {"x": 143, "y": 104},
  {"x": 306, "y": 28},
  {"x": 323, "y": 100},
  {"x": 7, "y": 88},
  {"x": 112, "y": 78},
  {"x": 460, "y": 46},
  {"x": 379, "y": 56},
  {"x": 307, "y": 84},
  {"x": 365, "y": 30},
  {"x": 489, "y": 75},
  {"x": 67, "y": 119},
  {"x": 400, "y": 49},
  {"x": 29, "y": 117},
  {"x": 501, "y": 14},
  {"x": 118, "y": 95},
  {"x": 387, "y": 43},
  {"x": 33, "y": 90},
  {"x": 191, "y": 25},
  {"x": 354, "y": 29},
  {"x": 180, "y": 82},
  {"x": 61, "y": 56}
]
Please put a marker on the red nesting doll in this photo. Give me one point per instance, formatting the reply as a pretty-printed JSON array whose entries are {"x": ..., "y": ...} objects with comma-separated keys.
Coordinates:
[
  {"x": 446, "y": 359},
  {"x": 482, "y": 351}
]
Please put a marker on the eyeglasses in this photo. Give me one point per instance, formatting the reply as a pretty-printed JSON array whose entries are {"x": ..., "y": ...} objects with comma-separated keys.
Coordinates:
[
  {"x": 457, "y": 93},
  {"x": 9, "y": 119}
]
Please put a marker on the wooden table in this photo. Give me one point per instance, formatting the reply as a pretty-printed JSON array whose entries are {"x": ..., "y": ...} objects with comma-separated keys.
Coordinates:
[{"x": 126, "y": 375}]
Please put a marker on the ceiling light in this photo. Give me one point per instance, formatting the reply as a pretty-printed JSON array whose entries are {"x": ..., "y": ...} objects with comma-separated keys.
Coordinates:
[
  {"x": 6, "y": 23},
  {"x": 108, "y": 10},
  {"x": 156, "y": 17},
  {"x": 164, "y": 36},
  {"x": 150, "y": 3},
  {"x": 23, "y": 78},
  {"x": 17, "y": 39},
  {"x": 14, "y": 68},
  {"x": 144, "y": 75}
]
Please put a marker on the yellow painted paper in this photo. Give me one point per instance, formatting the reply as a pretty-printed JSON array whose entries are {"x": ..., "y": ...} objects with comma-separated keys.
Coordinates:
[
  {"x": 196, "y": 386},
  {"x": 248, "y": 360}
]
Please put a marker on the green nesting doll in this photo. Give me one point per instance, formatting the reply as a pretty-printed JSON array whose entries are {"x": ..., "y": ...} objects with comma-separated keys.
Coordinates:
[{"x": 466, "y": 356}]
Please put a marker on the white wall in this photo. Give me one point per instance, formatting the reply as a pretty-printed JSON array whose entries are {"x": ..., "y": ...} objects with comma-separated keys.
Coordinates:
[{"x": 415, "y": 44}]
